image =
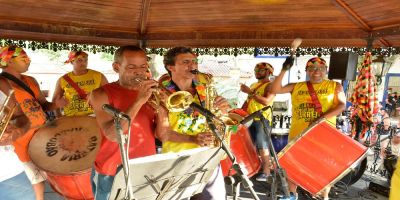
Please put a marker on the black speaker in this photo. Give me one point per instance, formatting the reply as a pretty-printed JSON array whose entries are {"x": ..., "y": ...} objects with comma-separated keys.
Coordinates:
[{"x": 343, "y": 65}]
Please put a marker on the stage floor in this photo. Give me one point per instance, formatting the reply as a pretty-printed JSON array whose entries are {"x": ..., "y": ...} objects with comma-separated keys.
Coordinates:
[{"x": 357, "y": 191}]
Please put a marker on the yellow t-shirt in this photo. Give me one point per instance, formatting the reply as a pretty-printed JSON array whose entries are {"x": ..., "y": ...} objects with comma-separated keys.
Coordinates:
[
  {"x": 395, "y": 183},
  {"x": 186, "y": 122},
  {"x": 253, "y": 105},
  {"x": 87, "y": 82},
  {"x": 303, "y": 108}
]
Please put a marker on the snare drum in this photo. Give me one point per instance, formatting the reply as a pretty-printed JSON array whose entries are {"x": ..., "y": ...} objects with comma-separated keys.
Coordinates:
[
  {"x": 66, "y": 149},
  {"x": 320, "y": 157},
  {"x": 243, "y": 148}
]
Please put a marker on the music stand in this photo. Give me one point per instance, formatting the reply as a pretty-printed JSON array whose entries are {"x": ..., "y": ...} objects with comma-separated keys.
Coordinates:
[{"x": 168, "y": 176}]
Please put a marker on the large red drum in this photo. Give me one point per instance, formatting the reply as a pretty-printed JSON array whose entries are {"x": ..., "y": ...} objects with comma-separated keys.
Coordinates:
[
  {"x": 320, "y": 157},
  {"x": 242, "y": 147},
  {"x": 65, "y": 149}
]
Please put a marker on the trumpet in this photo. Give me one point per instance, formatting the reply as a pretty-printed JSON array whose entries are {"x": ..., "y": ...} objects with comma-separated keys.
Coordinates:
[
  {"x": 176, "y": 102},
  {"x": 6, "y": 113}
]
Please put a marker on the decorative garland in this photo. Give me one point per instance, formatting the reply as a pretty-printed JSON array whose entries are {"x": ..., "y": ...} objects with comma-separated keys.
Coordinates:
[{"x": 277, "y": 51}]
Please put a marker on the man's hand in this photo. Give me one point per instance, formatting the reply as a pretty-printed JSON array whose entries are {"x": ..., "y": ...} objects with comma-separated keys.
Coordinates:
[
  {"x": 61, "y": 102},
  {"x": 11, "y": 134},
  {"x": 288, "y": 63},
  {"x": 204, "y": 139},
  {"x": 146, "y": 89},
  {"x": 244, "y": 88},
  {"x": 222, "y": 104}
]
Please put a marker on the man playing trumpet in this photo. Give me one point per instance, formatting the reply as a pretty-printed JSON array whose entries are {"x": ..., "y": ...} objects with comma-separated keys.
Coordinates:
[
  {"x": 188, "y": 129},
  {"x": 129, "y": 94}
]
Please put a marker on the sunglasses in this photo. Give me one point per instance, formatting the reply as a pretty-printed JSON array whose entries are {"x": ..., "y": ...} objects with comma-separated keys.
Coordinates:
[{"x": 314, "y": 69}]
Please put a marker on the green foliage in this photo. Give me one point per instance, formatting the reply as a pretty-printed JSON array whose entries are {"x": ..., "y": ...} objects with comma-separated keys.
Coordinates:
[{"x": 107, "y": 57}]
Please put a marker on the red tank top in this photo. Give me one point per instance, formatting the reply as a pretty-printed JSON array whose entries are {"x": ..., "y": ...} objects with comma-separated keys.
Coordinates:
[
  {"x": 33, "y": 110},
  {"x": 142, "y": 142}
]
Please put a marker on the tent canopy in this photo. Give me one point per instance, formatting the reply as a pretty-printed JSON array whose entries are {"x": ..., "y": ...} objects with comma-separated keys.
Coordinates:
[{"x": 204, "y": 23}]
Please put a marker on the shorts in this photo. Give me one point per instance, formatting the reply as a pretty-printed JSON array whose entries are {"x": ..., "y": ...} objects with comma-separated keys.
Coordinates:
[
  {"x": 258, "y": 135},
  {"x": 34, "y": 174}
]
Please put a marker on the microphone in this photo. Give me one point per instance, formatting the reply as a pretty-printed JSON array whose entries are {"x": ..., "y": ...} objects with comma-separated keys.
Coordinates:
[
  {"x": 253, "y": 115},
  {"x": 115, "y": 112}
]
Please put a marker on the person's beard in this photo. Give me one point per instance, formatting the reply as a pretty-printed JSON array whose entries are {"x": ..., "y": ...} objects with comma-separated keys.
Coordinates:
[{"x": 261, "y": 77}]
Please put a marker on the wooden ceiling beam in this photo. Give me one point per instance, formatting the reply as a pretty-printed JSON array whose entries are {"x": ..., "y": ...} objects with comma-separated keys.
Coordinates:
[
  {"x": 287, "y": 34},
  {"x": 393, "y": 30},
  {"x": 65, "y": 30},
  {"x": 353, "y": 15},
  {"x": 255, "y": 43},
  {"x": 144, "y": 17},
  {"x": 51, "y": 37},
  {"x": 384, "y": 42}
]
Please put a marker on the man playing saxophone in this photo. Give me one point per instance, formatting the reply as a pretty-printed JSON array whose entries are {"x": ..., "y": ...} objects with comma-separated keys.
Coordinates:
[{"x": 188, "y": 129}]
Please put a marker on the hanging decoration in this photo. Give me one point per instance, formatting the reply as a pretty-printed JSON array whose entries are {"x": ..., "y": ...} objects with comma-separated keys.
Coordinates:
[{"x": 276, "y": 51}]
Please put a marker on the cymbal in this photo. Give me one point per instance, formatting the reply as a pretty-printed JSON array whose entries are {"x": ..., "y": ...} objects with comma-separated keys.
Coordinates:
[{"x": 66, "y": 145}]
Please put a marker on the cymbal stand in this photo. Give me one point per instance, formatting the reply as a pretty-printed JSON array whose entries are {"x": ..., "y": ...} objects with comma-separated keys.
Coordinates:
[
  {"x": 239, "y": 171},
  {"x": 377, "y": 148},
  {"x": 123, "y": 142}
]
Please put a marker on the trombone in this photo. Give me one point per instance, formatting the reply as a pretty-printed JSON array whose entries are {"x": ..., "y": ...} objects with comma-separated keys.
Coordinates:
[{"x": 6, "y": 113}]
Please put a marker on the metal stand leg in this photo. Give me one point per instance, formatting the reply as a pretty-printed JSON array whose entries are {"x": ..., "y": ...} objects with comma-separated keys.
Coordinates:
[
  {"x": 239, "y": 171},
  {"x": 236, "y": 190}
]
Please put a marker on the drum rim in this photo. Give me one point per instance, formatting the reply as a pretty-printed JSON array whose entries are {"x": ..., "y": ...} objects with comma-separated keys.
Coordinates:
[
  {"x": 57, "y": 173},
  {"x": 345, "y": 172}
]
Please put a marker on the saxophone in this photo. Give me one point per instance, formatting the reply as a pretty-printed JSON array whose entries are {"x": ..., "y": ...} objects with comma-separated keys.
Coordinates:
[
  {"x": 181, "y": 100},
  {"x": 229, "y": 125}
]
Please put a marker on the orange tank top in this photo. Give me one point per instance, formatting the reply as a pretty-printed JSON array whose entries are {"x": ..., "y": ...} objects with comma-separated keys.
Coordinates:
[{"x": 33, "y": 110}]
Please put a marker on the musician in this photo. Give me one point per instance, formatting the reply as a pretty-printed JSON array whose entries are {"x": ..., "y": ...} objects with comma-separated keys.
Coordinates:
[
  {"x": 259, "y": 96},
  {"x": 329, "y": 93},
  {"x": 74, "y": 87},
  {"x": 188, "y": 129},
  {"x": 14, "y": 184},
  {"x": 395, "y": 183},
  {"x": 130, "y": 96},
  {"x": 31, "y": 105}
]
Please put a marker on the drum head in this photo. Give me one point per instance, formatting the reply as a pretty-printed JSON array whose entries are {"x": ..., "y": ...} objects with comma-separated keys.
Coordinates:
[{"x": 66, "y": 145}]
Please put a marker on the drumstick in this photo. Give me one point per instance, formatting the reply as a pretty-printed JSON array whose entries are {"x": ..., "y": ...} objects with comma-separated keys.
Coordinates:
[
  {"x": 290, "y": 59},
  {"x": 296, "y": 43}
]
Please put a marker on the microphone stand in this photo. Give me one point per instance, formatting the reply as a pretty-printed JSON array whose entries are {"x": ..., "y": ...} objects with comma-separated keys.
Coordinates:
[
  {"x": 123, "y": 142},
  {"x": 247, "y": 183},
  {"x": 279, "y": 170}
]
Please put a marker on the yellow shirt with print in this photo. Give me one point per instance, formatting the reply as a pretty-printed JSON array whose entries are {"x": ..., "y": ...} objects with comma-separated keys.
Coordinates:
[
  {"x": 303, "y": 108},
  {"x": 253, "y": 105},
  {"x": 186, "y": 124},
  {"x": 87, "y": 82}
]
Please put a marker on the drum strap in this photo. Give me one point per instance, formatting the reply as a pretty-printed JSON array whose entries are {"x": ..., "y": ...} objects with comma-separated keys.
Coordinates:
[
  {"x": 246, "y": 103},
  {"x": 82, "y": 94},
  {"x": 314, "y": 98},
  {"x": 18, "y": 82}
]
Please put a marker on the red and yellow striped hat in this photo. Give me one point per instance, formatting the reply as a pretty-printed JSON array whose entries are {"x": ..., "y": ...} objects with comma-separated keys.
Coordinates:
[{"x": 8, "y": 52}]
